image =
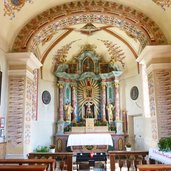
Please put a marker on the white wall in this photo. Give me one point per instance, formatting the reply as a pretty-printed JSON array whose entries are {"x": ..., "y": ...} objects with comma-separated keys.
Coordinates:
[
  {"x": 147, "y": 133},
  {"x": 44, "y": 128},
  {"x": 133, "y": 107},
  {"x": 139, "y": 132},
  {"x": 139, "y": 127},
  {"x": 4, "y": 88}
]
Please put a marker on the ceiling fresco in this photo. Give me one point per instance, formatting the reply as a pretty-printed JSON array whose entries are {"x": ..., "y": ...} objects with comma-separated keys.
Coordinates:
[
  {"x": 57, "y": 32},
  {"x": 133, "y": 22}
]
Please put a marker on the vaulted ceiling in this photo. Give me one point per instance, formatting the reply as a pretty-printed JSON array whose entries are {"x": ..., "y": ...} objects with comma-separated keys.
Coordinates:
[{"x": 57, "y": 31}]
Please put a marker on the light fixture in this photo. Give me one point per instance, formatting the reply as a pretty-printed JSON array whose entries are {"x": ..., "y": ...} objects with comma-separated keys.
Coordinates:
[
  {"x": 163, "y": 3},
  {"x": 11, "y": 6}
]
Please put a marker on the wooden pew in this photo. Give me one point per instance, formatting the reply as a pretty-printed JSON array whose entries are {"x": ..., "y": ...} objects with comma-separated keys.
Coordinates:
[
  {"x": 46, "y": 162},
  {"x": 65, "y": 157},
  {"x": 131, "y": 158},
  {"x": 23, "y": 168},
  {"x": 154, "y": 167}
]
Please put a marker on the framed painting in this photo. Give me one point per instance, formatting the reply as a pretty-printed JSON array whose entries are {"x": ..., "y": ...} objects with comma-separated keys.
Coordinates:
[{"x": 134, "y": 93}]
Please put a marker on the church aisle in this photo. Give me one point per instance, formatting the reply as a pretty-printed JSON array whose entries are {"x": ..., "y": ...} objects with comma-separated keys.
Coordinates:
[{"x": 98, "y": 167}]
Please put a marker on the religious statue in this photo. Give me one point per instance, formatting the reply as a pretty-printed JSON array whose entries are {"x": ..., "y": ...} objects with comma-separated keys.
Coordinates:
[
  {"x": 68, "y": 110},
  {"x": 110, "y": 109},
  {"x": 89, "y": 112}
]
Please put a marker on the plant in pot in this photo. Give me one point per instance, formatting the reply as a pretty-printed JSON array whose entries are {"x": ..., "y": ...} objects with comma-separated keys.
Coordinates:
[
  {"x": 128, "y": 146},
  {"x": 52, "y": 148},
  {"x": 165, "y": 144}
]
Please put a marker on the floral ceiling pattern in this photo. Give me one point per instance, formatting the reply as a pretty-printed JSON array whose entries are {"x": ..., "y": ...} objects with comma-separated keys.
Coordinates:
[
  {"x": 11, "y": 6},
  {"x": 163, "y": 3},
  {"x": 134, "y": 23}
]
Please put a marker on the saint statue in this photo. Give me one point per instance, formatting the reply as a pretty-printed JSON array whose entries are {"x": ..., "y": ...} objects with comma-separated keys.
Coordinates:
[
  {"x": 89, "y": 112},
  {"x": 68, "y": 110},
  {"x": 110, "y": 109}
]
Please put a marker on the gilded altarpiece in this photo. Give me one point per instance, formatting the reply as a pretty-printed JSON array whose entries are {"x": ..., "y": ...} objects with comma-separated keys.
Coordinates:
[{"x": 88, "y": 87}]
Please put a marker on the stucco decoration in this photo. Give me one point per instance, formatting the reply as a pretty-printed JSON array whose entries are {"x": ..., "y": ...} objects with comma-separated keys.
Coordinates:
[
  {"x": 60, "y": 55},
  {"x": 134, "y": 23},
  {"x": 117, "y": 55},
  {"x": 163, "y": 3},
  {"x": 12, "y": 6}
]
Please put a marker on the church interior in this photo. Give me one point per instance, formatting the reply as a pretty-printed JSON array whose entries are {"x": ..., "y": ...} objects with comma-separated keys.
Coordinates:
[{"x": 86, "y": 78}]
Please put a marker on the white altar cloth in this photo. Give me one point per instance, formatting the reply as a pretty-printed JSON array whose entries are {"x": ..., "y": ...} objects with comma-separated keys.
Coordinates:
[
  {"x": 163, "y": 157},
  {"x": 89, "y": 139}
]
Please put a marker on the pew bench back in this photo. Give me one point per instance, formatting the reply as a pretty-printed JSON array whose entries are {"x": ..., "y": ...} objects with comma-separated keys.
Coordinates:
[
  {"x": 46, "y": 162},
  {"x": 23, "y": 168},
  {"x": 148, "y": 167}
]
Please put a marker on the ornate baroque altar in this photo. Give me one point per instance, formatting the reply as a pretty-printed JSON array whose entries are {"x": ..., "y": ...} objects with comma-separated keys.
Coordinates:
[{"x": 88, "y": 88}]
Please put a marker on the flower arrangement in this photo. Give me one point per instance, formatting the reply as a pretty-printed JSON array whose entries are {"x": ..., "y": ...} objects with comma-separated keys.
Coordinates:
[
  {"x": 52, "y": 146},
  {"x": 67, "y": 128},
  {"x": 128, "y": 145},
  {"x": 42, "y": 149},
  {"x": 112, "y": 127},
  {"x": 82, "y": 122},
  {"x": 100, "y": 123}
]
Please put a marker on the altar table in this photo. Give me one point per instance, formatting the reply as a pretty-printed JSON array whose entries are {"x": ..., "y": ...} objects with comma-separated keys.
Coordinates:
[
  {"x": 160, "y": 156},
  {"x": 89, "y": 139}
]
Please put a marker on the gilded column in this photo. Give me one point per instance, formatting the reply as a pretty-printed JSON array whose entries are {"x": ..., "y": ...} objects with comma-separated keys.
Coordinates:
[
  {"x": 104, "y": 101},
  {"x": 74, "y": 103},
  {"x": 61, "y": 102}
]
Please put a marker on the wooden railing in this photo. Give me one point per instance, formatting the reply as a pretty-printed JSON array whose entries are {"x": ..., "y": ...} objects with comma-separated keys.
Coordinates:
[
  {"x": 154, "y": 167},
  {"x": 127, "y": 158},
  {"x": 23, "y": 168},
  {"x": 48, "y": 163},
  {"x": 65, "y": 158}
]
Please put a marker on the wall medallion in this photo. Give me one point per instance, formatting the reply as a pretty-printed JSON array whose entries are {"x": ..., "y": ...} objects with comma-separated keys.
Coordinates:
[
  {"x": 46, "y": 97},
  {"x": 134, "y": 93}
]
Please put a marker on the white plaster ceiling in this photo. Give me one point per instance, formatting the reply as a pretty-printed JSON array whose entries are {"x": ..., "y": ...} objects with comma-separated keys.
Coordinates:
[{"x": 47, "y": 51}]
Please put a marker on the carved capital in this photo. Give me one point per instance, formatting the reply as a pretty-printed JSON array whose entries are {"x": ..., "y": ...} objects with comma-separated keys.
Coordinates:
[
  {"x": 103, "y": 86},
  {"x": 116, "y": 84},
  {"x": 73, "y": 86},
  {"x": 60, "y": 85}
]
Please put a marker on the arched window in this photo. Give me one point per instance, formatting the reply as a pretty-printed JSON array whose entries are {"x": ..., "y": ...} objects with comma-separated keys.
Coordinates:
[{"x": 88, "y": 65}]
